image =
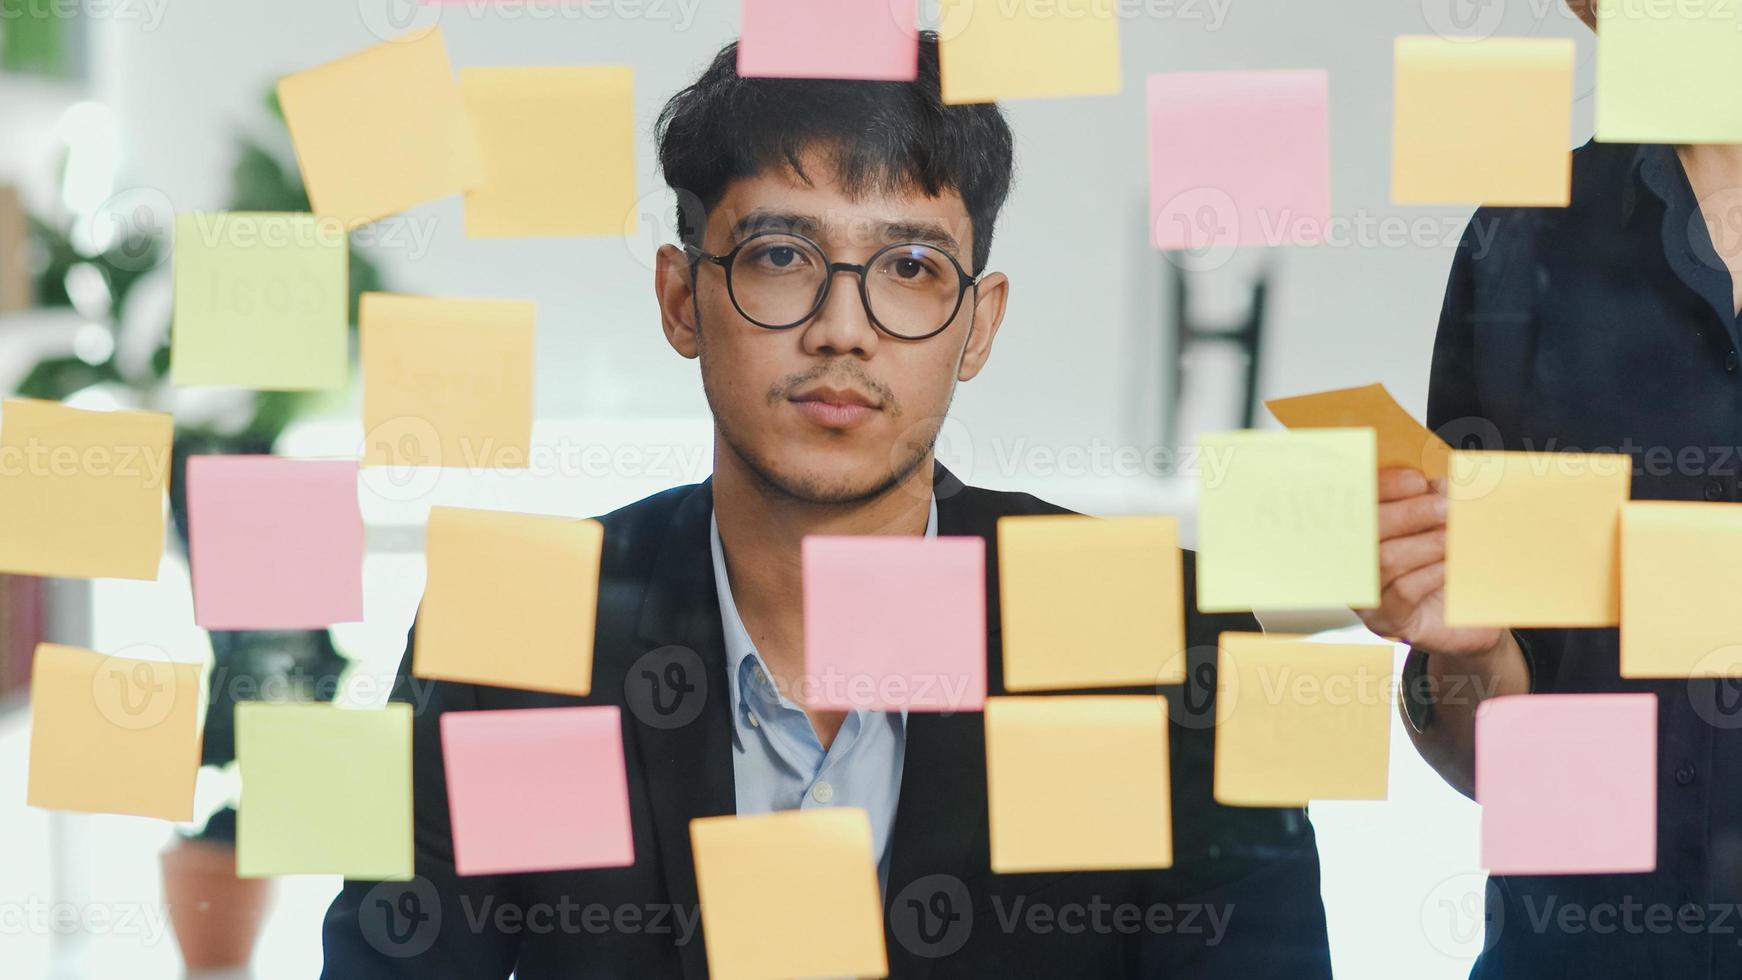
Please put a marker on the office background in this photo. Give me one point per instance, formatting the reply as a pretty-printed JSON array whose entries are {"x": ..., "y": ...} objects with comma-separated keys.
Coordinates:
[{"x": 142, "y": 118}]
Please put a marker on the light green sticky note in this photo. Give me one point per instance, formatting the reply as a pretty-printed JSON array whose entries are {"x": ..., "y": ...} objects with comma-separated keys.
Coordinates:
[
  {"x": 1288, "y": 520},
  {"x": 325, "y": 790},
  {"x": 1666, "y": 72},
  {"x": 260, "y": 301}
]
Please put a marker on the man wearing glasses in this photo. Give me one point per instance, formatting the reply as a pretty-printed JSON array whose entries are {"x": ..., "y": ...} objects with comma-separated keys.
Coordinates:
[{"x": 831, "y": 288}]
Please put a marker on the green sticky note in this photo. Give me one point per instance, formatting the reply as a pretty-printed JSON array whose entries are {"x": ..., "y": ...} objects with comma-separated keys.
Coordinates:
[
  {"x": 1288, "y": 520},
  {"x": 1663, "y": 70},
  {"x": 260, "y": 301},
  {"x": 325, "y": 790}
]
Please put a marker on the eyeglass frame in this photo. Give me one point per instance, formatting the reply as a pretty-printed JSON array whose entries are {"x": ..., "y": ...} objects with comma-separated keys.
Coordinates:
[{"x": 859, "y": 269}]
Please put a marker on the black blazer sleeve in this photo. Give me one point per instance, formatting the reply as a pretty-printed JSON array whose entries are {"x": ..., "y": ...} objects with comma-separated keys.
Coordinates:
[
  {"x": 1454, "y": 405},
  {"x": 438, "y": 925}
]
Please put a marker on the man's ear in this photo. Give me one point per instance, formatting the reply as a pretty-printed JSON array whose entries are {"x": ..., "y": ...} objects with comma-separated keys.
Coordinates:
[
  {"x": 675, "y": 290},
  {"x": 988, "y": 300}
]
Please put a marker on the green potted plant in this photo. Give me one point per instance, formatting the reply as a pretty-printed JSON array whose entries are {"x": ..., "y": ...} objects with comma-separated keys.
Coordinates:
[{"x": 216, "y": 915}]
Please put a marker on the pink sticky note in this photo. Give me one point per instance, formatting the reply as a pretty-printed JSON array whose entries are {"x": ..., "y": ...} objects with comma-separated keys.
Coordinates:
[
  {"x": 537, "y": 789},
  {"x": 1239, "y": 158},
  {"x": 858, "y": 39},
  {"x": 1568, "y": 783},
  {"x": 894, "y": 622},
  {"x": 274, "y": 543}
]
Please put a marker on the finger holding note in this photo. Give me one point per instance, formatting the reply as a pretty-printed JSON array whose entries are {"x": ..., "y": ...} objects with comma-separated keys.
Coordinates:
[{"x": 1412, "y": 568}]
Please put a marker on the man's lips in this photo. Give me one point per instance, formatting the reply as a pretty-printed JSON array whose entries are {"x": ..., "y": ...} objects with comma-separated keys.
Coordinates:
[{"x": 835, "y": 408}]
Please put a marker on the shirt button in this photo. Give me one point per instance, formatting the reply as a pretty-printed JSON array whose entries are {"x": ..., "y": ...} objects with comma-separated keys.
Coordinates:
[
  {"x": 1685, "y": 773},
  {"x": 822, "y": 792},
  {"x": 1715, "y": 490},
  {"x": 753, "y": 722},
  {"x": 1731, "y": 362}
]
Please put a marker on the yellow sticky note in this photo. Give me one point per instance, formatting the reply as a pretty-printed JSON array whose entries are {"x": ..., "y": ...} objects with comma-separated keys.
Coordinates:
[
  {"x": 1483, "y": 121},
  {"x": 558, "y": 147},
  {"x": 1088, "y": 602},
  {"x": 1402, "y": 441},
  {"x": 381, "y": 130},
  {"x": 261, "y": 302},
  {"x": 1078, "y": 783},
  {"x": 446, "y": 382},
  {"x": 113, "y": 734},
  {"x": 1532, "y": 538},
  {"x": 1664, "y": 71},
  {"x": 1679, "y": 614},
  {"x": 789, "y": 894},
  {"x": 1299, "y": 721},
  {"x": 81, "y": 492},
  {"x": 325, "y": 790},
  {"x": 1288, "y": 520},
  {"x": 991, "y": 50},
  {"x": 510, "y": 601}
]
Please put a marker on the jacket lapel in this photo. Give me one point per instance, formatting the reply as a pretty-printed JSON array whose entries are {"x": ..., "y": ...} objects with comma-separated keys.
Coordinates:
[{"x": 686, "y": 755}]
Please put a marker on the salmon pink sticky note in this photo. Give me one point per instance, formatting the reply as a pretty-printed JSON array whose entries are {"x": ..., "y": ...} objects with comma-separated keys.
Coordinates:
[
  {"x": 876, "y": 40},
  {"x": 537, "y": 789},
  {"x": 275, "y": 543},
  {"x": 1568, "y": 783},
  {"x": 894, "y": 622},
  {"x": 1239, "y": 158}
]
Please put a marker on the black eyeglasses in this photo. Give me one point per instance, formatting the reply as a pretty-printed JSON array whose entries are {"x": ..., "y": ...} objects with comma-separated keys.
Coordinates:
[{"x": 778, "y": 280}]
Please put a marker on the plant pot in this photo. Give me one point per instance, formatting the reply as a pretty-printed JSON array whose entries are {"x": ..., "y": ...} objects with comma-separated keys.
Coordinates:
[{"x": 216, "y": 915}]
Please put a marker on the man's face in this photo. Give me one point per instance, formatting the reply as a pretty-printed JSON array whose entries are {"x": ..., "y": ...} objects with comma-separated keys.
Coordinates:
[{"x": 832, "y": 410}]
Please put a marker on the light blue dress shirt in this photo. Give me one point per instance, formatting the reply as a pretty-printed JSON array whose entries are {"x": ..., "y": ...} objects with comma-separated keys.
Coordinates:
[{"x": 778, "y": 763}]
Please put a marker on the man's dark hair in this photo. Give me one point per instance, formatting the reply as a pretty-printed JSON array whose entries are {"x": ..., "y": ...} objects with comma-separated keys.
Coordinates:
[{"x": 881, "y": 136}]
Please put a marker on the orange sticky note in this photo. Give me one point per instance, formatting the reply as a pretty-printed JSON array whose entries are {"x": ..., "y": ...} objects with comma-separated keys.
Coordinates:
[
  {"x": 1532, "y": 538},
  {"x": 381, "y": 130},
  {"x": 558, "y": 147},
  {"x": 1078, "y": 783},
  {"x": 81, "y": 492},
  {"x": 510, "y": 601},
  {"x": 1483, "y": 121},
  {"x": 1679, "y": 614},
  {"x": 789, "y": 894},
  {"x": 1299, "y": 721},
  {"x": 113, "y": 734},
  {"x": 992, "y": 50},
  {"x": 447, "y": 382},
  {"x": 1402, "y": 441},
  {"x": 1090, "y": 602}
]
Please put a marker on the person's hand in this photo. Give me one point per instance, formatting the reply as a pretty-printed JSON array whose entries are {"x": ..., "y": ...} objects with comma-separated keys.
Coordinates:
[{"x": 1412, "y": 570}]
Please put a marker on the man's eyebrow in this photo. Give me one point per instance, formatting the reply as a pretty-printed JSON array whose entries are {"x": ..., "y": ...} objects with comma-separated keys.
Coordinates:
[{"x": 924, "y": 232}]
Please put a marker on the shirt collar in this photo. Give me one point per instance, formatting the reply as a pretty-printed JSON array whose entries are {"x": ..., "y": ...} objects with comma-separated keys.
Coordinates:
[
  {"x": 1657, "y": 169},
  {"x": 739, "y": 647}
]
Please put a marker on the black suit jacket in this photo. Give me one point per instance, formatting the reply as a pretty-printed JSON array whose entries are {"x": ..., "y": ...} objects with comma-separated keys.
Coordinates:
[{"x": 1242, "y": 899}]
